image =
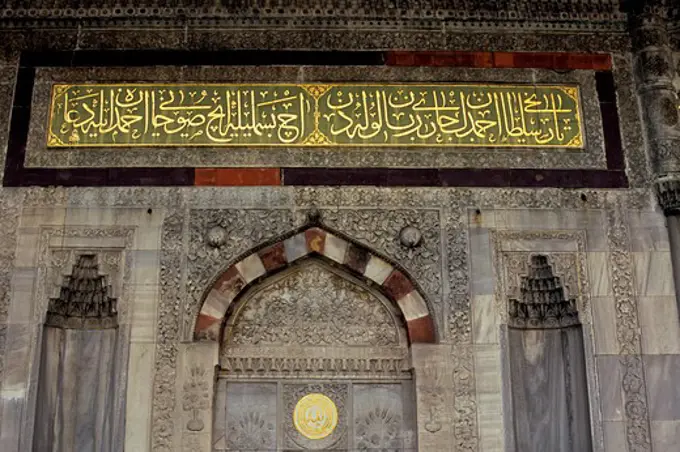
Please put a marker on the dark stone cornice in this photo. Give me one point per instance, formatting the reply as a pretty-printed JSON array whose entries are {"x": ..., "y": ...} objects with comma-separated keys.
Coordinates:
[{"x": 568, "y": 15}]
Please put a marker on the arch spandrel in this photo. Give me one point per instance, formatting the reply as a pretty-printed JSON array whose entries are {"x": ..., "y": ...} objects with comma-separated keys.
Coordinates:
[{"x": 391, "y": 281}]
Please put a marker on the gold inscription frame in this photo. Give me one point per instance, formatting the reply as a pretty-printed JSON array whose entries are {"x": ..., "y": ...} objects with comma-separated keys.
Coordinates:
[{"x": 315, "y": 115}]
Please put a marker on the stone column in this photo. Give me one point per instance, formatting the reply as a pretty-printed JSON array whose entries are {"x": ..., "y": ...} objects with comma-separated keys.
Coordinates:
[
  {"x": 659, "y": 101},
  {"x": 668, "y": 195}
]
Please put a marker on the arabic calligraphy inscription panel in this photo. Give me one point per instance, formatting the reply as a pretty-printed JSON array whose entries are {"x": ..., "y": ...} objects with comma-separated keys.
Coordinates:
[{"x": 366, "y": 115}]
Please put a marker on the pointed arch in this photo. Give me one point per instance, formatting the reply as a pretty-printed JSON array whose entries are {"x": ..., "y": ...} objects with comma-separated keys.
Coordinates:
[{"x": 393, "y": 281}]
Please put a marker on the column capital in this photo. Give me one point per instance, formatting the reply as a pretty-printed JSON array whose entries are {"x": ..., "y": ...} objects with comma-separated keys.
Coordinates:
[{"x": 667, "y": 190}]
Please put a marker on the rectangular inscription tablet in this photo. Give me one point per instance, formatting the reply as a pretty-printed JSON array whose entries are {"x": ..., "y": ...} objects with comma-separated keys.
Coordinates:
[{"x": 327, "y": 115}]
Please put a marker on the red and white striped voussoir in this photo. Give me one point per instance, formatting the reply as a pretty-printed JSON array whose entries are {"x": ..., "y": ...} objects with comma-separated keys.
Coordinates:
[{"x": 395, "y": 284}]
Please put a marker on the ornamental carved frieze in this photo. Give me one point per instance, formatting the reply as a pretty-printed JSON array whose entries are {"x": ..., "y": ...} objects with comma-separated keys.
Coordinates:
[{"x": 541, "y": 302}]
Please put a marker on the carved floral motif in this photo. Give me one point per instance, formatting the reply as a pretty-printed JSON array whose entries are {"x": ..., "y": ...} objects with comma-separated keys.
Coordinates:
[
  {"x": 380, "y": 429},
  {"x": 251, "y": 431},
  {"x": 196, "y": 397},
  {"x": 314, "y": 306}
]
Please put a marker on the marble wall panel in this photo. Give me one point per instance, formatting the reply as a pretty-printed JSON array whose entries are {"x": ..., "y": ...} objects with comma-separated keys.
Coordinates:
[
  {"x": 665, "y": 436},
  {"x": 489, "y": 400},
  {"x": 138, "y": 396},
  {"x": 604, "y": 322},
  {"x": 663, "y": 373},
  {"x": 659, "y": 323},
  {"x": 653, "y": 273},
  {"x": 485, "y": 320}
]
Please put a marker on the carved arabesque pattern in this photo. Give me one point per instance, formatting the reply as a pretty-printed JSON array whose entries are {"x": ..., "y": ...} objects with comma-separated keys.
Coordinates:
[
  {"x": 628, "y": 332},
  {"x": 244, "y": 229},
  {"x": 313, "y": 307},
  {"x": 379, "y": 230}
]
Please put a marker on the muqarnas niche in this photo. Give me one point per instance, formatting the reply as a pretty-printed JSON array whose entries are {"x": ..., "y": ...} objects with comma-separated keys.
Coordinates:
[
  {"x": 547, "y": 366},
  {"x": 77, "y": 384}
]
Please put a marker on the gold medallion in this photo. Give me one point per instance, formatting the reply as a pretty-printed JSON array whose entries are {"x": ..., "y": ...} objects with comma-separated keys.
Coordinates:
[{"x": 315, "y": 416}]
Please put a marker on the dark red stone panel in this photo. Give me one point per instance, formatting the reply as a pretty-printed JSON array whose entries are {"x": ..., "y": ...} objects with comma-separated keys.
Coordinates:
[
  {"x": 273, "y": 257},
  {"x": 397, "y": 285},
  {"x": 421, "y": 330},
  {"x": 231, "y": 281},
  {"x": 237, "y": 176}
]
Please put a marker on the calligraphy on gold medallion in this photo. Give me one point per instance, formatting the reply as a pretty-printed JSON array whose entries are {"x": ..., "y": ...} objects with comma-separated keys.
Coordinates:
[{"x": 131, "y": 115}]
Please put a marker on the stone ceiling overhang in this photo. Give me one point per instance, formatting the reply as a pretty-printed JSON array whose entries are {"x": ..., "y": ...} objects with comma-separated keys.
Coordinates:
[{"x": 571, "y": 15}]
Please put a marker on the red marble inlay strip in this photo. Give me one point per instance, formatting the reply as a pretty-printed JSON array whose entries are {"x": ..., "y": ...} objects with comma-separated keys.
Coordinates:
[
  {"x": 237, "y": 176},
  {"x": 397, "y": 285},
  {"x": 546, "y": 60},
  {"x": 203, "y": 323},
  {"x": 421, "y": 330},
  {"x": 230, "y": 282},
  {"x": 273, "y": 257}
]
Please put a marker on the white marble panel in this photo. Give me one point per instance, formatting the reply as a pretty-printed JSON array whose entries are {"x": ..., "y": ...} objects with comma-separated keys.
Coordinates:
[
  {"x": 614, "y": 436},
  {"x": 91, "y": 216},
  {"x": 481, "y": 268},
  {"x": 488, "y": 369},
  {"x": 604, "y": 325},
  {"x": 144, "y": 306},
  {"x": 26, "y": 252},
  {"x": 610, "y": 376},
  {"x": 146, "y": 267},
  {"x": 653, "y": 273},
  {"x": 539, "y": 245},
  {"x": 648, "y": 231},
  {"x": 483, "y": 219},
  {"x": 139, "y": 397},
  {"x": 23, "y": 294},
  {"x": 659, "y": 324},
  {"x": 662, "y": 374},
  {"x": 665, "y": 436},
  {"x": 490, "y": 422},
  {"x": 529, "y": 219},
  {"x": 33, "y": 217},
  {"x": 598, "y": 274},
  {"x": 485, "y": 327}
]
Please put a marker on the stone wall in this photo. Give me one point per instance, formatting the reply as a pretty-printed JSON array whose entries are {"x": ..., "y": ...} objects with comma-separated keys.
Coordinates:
[
  {"x": 610, "y": 249},
  {"x": 608, "y": 243}
]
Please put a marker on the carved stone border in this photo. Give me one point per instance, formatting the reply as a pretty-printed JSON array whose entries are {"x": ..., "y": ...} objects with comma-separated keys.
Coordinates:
[
  {"x": 52, "y": 263},
  {"x": 636, "y": 409}
]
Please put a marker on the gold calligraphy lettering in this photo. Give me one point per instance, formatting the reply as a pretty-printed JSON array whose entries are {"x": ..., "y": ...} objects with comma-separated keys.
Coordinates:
[{"x": 368, "y": 115}]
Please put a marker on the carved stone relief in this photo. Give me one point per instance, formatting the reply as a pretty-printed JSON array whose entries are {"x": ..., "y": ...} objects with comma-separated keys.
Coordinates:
[
  {"x": 240, "y": 230},
  {"x": 380, "y": 230},
  {"x": 58, "y": 250},
  {"x": 570, "y": 266},
  {"x": 541, "y": 302},
  {"x": 638, "y": 434},
  {"x": 312, "y": 306}
]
